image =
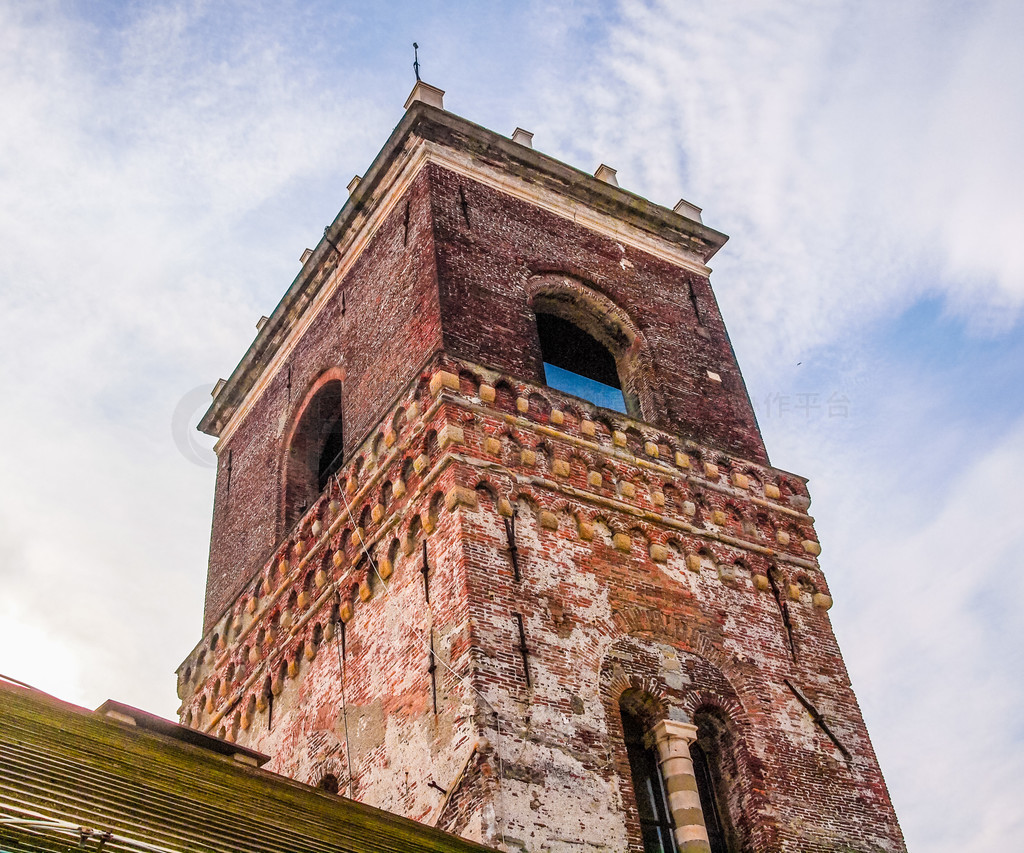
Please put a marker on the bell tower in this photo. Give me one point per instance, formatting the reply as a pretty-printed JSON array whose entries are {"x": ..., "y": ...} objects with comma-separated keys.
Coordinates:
[{"x": 496, "y": 541}]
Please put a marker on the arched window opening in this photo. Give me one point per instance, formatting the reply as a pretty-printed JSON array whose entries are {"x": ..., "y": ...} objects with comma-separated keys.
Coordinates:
[
  {"x": 651, "y": 801},
  {"x": 577, "y": 364},
  {"x": 715, "y": 770},
  {"x": 331, "y": 455},
  {"x": 315, "y": 451}
]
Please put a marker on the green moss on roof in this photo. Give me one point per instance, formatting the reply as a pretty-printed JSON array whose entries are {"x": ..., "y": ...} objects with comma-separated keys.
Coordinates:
[{"x": 64, "y": 763}]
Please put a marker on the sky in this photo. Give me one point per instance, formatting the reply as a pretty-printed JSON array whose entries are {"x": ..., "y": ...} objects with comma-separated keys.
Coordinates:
[{"x": 164, "y": 164}]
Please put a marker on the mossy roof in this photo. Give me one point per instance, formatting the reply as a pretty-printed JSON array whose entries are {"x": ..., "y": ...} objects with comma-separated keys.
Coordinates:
[{"x": 63, "y": 767}]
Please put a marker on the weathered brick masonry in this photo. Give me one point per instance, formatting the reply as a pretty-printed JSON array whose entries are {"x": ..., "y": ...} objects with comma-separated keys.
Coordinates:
[{"x": 498, "y": 573}]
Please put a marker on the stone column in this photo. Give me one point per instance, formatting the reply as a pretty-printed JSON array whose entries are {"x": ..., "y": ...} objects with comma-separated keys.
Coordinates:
[{"x": 673, "y": 740}]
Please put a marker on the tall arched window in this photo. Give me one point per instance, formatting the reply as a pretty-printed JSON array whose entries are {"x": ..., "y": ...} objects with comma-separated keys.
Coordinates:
[
  {"x": 648, "y": 786},
  {"x": 578, "y": 364},
  {"x": 315, "y": 451},
  {"x": 715, "y": 770}
]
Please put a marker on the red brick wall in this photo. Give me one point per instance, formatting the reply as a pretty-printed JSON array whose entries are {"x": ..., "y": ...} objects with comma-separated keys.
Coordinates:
[
  {"x": 483, "y": 267},
  {"x": 603, "y": 614},
  {"x": 390, "y": 326}
]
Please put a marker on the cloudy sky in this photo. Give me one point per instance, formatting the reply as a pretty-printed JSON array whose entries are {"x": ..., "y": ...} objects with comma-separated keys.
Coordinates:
[{"x": 164, "y": 164}]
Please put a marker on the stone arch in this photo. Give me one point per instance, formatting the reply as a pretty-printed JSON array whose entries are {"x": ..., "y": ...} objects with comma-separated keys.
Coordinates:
[{"x": 599, "y": 317}]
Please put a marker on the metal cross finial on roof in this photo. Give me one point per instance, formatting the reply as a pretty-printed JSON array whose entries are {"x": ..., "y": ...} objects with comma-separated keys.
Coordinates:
[{"x": 416, "y": 60}]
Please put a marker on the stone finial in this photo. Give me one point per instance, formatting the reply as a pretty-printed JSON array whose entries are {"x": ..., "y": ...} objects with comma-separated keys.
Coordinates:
[
  {"x": 693, "y": 562},
  {"x": 560, "y": 468},
  {"x": 740, "y": 481},
  {"x": 622, "y": 542},
  {"x": 690, "y": 211},
  {"x": 528, "y": 457},
  {"x": 762, "y": 582},
  {"x": 651, "y": 449},
  {"x": 618, "y": 438},
  {"x": 427, "y": 94},
  {"x": 487, "y": 393},
  {"x": 353, "y": 184},
  {"x": 771, "y": 491},
  {"x": 548, "y": 520},
  {"x": 711, "y": 470},
  {"x": 594, "y": 479},
  {"x": 659, "y": 553},
  {"x": 523, "y": 137},
  {"x": 606, "y": 174},
  {"x": 588, "y": 428},
  {"x": 557, "y": 417},
  {"x": 811, "y": 547}
]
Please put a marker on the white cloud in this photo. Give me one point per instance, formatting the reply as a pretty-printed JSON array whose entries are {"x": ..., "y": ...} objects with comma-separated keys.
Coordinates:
[
  {"x": 927, "y": 611},
  {"x": 860, "y": 155},
  {"x": 138, "y": 166}
]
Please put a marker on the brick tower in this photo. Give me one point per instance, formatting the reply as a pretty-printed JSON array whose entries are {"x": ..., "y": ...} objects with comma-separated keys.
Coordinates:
[{"x": 496, "y": 542}]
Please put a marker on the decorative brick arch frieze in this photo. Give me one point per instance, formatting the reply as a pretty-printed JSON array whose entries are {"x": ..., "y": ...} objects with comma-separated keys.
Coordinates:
[{"x": 597, "y": 315}]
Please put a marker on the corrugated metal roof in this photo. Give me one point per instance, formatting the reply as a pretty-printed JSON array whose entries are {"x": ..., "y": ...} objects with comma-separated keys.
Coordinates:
[{"x": 63, "y": 768}]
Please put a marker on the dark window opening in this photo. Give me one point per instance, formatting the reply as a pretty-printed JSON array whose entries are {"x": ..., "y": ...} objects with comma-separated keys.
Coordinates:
[
  {"x": 577, "y": 364},
  {"x": 332, "y": 454},
  {"x": 708, "y": 799},
  {"x": 329, "y": 784},
  {"x": 316, "y": 451},
  {"x": 651, "y": 802}
]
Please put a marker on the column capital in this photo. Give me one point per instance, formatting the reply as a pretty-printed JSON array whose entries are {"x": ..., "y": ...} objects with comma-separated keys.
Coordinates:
[{"x": 668, "y": 730}]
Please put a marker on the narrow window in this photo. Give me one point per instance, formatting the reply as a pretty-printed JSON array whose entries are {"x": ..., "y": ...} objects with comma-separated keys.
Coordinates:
[
  {"x": 577, "y": 364},
  {"x": 651, "y": 802},
  {"x": 315, "y": 453},
  {"x": 718, "y": 783},
  {"x": 708, "y": 799}
]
